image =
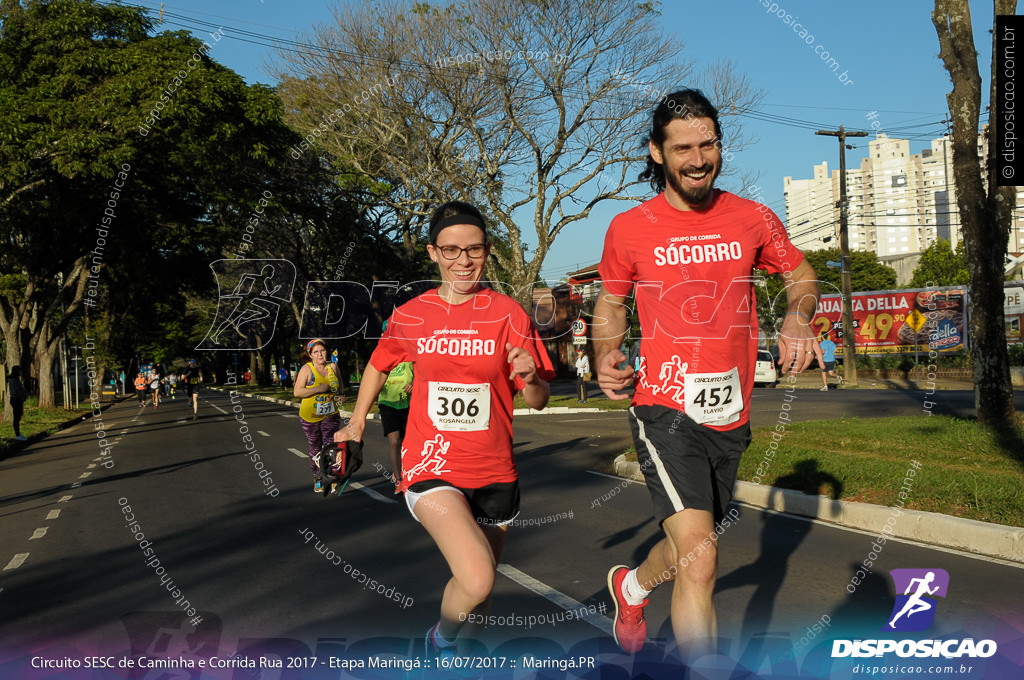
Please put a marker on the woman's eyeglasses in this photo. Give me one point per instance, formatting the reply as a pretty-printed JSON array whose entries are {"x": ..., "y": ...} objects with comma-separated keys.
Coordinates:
[{"x": 455, "y": 252}]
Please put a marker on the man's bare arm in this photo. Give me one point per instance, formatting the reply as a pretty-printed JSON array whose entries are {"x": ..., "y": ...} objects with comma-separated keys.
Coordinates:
[
  {"x": 608, "y": 327},
  {"x": 796, "y": 339}
]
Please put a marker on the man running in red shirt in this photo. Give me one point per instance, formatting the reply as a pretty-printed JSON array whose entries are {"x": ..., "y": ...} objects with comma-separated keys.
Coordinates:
[{"x": 689, "y": 254}]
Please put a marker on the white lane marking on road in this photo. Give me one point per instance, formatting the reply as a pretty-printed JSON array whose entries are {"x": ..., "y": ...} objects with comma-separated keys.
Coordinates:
[
  {"x": 300, "y": 454},
  {"x": 38, "y": 533},
  {"x": 287, "y": 415},
  {"x": 84, "y": 475},
  {"x": 90, "y": 466},
  {"x": 371, "y": 493},
  {"x": 602, "y": 623},
  {"x": 219, "y": 409},
  {"x": 53, "y": 514},
  {"x": 65, "y": 499},
  {"x": 76, "y": 485},
  {"x": 16, "y": 561},
  {"x": 262, "y": 433}
]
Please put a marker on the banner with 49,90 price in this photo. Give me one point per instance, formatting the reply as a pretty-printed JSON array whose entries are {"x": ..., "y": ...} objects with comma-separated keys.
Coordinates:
[{"x": 897, "y": 321}]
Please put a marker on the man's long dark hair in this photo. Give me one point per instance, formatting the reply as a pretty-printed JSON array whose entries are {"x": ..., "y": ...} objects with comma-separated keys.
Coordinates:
[{"x": 684, "y": 105}]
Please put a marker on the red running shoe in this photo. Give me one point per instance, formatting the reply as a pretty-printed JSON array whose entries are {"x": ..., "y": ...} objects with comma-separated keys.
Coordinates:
[{"x": 630, "y": 629}]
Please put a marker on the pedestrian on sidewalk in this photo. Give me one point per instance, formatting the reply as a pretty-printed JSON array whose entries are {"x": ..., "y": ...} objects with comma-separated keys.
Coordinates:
[
  {"x": 582, "y": 376},
  {"x": 827, "y": 360},
  {"x": 17, "y": 393}
]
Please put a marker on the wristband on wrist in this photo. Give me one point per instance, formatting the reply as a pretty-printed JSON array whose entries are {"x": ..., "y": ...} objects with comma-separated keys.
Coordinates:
[{"x": 800, "y": 314}]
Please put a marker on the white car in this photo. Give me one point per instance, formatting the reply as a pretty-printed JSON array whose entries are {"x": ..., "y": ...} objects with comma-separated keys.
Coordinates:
[{"x": 764, "y": 369}]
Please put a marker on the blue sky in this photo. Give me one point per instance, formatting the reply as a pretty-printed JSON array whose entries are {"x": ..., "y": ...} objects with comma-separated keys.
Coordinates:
[{"x": 887, "y": 49}]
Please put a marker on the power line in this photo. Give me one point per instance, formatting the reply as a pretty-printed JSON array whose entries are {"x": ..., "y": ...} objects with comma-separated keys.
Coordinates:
[{"x": 302, "y": 47}]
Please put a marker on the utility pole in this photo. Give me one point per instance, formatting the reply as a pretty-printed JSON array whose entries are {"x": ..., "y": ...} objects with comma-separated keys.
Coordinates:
[{"x": 849, "y": 351}]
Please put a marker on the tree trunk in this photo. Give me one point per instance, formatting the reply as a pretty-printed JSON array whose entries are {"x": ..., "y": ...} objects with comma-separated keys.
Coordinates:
[
  {"x": 44, "y": 361},
  {"x": 986, "y": 251},
  {"x": 993, "y": 392},
  {"x": 985, "y": 217}
]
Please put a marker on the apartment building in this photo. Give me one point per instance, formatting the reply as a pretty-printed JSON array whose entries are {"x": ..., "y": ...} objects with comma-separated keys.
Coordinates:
[{"x": 899, "y": 202}]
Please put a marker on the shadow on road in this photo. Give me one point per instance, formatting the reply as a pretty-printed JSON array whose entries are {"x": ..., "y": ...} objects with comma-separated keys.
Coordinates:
[
  {"x": 781, "y": 536},
  {"x": 107, "y": 479}
]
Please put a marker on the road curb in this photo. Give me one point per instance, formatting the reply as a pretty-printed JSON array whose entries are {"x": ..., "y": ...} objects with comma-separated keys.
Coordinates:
[
  {"x": 932, "y": 528},
  {"x": 558, "y": 410}
]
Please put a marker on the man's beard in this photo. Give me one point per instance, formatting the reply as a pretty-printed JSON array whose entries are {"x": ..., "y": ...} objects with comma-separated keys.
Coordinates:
[{"x": 695, "y": 197}]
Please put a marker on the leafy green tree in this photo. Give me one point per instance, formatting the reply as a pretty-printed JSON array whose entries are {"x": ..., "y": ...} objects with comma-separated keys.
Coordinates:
[
  {"x": 940, "y": 266},
  {"x": 866, "y": 272},
  {"x": 128, "y": 162}
]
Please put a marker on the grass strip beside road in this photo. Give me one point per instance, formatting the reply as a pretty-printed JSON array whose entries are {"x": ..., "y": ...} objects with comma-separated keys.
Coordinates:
[
  {"x": 36, "y": 421},
  {"x": 966, "y": 471}
]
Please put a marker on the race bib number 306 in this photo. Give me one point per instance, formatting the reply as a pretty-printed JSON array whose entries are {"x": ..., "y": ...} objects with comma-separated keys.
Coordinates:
[
  {"x": 714, "y": 398},
  {"x": 459, "y": 407}
]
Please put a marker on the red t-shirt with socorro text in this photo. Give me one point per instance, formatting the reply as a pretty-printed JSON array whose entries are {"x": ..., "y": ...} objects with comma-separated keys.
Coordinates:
[
  {"x": 460, "y": 414},
  {"x": 695, "y": 295}
]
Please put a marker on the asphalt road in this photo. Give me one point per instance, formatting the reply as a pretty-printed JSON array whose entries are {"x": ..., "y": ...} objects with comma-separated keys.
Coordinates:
[{"x": 275, "y": 576}]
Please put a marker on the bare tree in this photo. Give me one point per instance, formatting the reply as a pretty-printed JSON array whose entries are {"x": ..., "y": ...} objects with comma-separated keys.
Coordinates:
[
  {"x": 533, "y": 110},
  {"x": 984, "y": 210}
]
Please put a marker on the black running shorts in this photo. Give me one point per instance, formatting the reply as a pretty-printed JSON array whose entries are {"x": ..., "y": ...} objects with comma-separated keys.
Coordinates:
[
  {"x": 491, "y": 505},
  {"x": 393, "y": 419},
  {"x": 686, "y": 465}
]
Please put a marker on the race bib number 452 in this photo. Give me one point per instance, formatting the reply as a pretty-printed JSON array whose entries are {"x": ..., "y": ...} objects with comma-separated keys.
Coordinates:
[
  {"x": 459, "y": 407},
  {"x": 714, "y": 398}
]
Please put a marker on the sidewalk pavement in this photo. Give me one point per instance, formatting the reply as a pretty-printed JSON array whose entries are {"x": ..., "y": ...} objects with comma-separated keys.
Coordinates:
[{"x": 866, "y": 380}]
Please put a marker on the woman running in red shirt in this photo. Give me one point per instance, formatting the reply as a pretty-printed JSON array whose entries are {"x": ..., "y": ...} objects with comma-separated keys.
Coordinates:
[{"x": 473, "y": 349}]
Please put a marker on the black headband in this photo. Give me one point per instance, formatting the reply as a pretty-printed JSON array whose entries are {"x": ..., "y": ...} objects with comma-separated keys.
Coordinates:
[{"x": 461, "y": 218}]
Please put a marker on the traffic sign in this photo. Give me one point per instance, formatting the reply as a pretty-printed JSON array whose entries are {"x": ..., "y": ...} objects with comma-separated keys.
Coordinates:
[
  {"x": 915, "y": 320},
  {"x": 579, "y": 328}
]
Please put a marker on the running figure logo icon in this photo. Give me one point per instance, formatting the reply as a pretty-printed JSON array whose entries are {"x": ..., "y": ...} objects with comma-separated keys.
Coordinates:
[
  {"x": 247, "y": 315},
  {"x": 915, "y": 608}
]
